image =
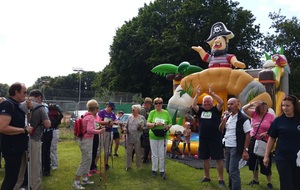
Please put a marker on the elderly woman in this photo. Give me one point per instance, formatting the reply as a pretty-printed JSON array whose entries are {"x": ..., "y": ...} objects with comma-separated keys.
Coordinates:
[
  {"x": 134, "y": 129},
  {"x": 261, "y": 120},
  {"x": 159, "y": 122},
  {"x": 86, "y": 144},
  {"x": 286, "y": 129}
]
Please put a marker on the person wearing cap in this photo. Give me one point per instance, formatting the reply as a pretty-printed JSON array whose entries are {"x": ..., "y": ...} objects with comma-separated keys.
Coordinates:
[
  {"x": 210, "y": 138},
  {"x": 146, "y": 108},
  {"x": 218, "y": 41},
  {"x": 261, "y": 121},
  {"x": 108, "y": 118}
]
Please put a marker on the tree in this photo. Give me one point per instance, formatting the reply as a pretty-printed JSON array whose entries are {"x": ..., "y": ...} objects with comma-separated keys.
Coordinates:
[
  {"x": 286, "y": 35},
  {"x": 163, "y": 32},
  {"x": 4, "y": 90}
]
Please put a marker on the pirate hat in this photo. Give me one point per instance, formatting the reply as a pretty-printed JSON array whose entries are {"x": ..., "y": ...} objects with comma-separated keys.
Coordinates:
[{"x": 219, "y": 29}]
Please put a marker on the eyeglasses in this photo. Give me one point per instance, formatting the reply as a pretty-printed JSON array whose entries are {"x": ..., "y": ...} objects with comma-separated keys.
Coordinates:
[
  {"x": 24, "y": 92},
  {"x": 158, "y": 103}
]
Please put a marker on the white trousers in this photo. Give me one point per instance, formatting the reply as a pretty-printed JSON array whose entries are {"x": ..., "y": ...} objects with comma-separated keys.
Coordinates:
[{"x": 158, "y": 154}]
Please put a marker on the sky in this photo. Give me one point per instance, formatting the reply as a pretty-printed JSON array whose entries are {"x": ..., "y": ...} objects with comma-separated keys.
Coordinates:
[{"x": 49, "y": 38}]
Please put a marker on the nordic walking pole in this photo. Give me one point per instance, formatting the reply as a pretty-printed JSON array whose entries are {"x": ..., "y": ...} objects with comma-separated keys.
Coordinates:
[
  {"x": 104, "y": 143},
  {"x": 28, "y": 153},
  {"x": 100, "y": 171},
  {"x": 165, "y": 150}
]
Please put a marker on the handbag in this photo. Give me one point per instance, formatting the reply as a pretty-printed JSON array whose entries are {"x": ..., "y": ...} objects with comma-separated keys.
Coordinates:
[
  {"x": 159, "y": 132},
  {"x": 259, "y": 148}
]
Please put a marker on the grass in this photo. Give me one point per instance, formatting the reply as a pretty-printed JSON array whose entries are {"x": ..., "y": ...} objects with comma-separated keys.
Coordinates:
[{"x": 179, "y": 176}]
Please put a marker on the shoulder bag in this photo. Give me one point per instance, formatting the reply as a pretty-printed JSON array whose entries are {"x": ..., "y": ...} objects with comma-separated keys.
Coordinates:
[{"x": 260, "y": 145}]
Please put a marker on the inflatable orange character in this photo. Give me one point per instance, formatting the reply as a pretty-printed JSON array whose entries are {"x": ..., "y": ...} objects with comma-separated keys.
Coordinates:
[{"x": 218, "y": 41}]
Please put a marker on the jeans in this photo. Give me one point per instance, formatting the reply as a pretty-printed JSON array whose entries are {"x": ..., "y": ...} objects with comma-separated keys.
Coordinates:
[{"x": 232, "y": 159}]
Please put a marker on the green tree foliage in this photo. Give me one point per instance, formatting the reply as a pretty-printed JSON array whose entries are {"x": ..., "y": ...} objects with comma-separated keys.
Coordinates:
[
  {"x": 286, "y": 35},
  {"x": 163, "y": 32},
  {"x": 4, "y": 90}
]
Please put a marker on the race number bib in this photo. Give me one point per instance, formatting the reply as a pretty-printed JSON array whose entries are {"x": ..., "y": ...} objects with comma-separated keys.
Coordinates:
[
  {"x": 156, "y": 120},
  {"x": 206, "y": 115}
]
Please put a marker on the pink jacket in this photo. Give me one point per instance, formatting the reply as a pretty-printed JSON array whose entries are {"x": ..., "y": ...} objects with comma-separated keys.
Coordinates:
[{"x": 88, "y": 123}]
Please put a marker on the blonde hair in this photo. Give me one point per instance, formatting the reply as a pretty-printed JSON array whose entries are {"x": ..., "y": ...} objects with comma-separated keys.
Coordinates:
[
  {"x": 158, "y": 99},
  {"x": 92, "y": 105},
  {"x": 137, "y": 107}
]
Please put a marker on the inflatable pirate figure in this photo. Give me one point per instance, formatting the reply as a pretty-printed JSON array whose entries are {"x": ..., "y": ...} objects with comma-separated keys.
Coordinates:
[{"x": 218, "y": 41}]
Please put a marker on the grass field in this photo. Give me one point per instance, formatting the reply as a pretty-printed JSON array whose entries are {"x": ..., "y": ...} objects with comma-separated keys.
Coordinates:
[{"x": 179, "y": 176}]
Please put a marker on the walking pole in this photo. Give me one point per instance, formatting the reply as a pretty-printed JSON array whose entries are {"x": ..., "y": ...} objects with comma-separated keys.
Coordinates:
[
  {"x": 256, "y": 162},
  {"x": 100, "y": 171},
  {"x": 110, "y": 150},
  {"x": 105, "y": 177},
  {"x": 28, "y": 153}
]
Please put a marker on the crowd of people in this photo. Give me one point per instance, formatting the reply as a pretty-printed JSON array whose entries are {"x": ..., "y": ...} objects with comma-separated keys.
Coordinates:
[{"x": 227, "y": 137}]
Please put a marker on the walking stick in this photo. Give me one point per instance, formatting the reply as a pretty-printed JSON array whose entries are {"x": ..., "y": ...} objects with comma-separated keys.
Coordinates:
[
  {"x": 105, "y": 177},
  {"x": 28, "y": 154},
  {"x": 100, "y": 170},
  {"x": 256, "y": 162}
]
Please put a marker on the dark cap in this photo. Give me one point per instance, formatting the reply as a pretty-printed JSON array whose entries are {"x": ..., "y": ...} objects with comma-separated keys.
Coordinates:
[
  {"x": 111, "y": 104},
  {"x": 121, "y": 112}
]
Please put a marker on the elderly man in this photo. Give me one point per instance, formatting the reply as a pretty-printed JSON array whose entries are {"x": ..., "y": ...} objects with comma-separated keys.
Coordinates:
[
  {"x": 146, "y": 108},
  {"x": 237, "y": 138},
  {"x": 14, "y": 135},
  {"x": 210, "y": 137}
]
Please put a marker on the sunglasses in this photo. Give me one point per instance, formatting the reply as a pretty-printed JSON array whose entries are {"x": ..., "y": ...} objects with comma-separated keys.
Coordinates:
[{"x": 158, "y": 103}]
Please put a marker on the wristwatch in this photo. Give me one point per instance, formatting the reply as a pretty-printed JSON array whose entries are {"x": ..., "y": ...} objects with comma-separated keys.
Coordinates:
[{"x": 246, "y": 149}]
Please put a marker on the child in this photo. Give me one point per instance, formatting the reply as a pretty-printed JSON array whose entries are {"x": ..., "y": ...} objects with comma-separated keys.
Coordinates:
[
  {"x": 175, "y": 144},
  {"x": 187, "y": 138}
]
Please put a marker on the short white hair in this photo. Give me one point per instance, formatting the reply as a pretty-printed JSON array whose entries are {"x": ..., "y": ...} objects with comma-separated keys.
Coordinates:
[
  {"x": 136, "y": 106},
  {"x": 208, "y": 96}
]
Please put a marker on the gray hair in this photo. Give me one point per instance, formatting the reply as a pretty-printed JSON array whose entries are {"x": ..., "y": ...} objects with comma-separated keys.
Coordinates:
[{"x": 137, "y": 106}]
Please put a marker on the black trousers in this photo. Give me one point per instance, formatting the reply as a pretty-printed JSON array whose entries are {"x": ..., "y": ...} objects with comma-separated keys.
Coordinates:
[
  {"x": 289, "y": 175},
  {"x": 94, "y": 151},
  {"x": 12, "y": 167},
  {"x": 46, "y": 145}
]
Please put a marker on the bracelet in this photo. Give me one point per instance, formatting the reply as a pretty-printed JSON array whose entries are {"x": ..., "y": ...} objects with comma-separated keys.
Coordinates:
[{"x": 25, "y": 131}]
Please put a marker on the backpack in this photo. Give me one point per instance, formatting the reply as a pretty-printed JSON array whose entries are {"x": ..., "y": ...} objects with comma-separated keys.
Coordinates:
[
  {"x": 78, "y": 127},
  {"x": 55, "y": 115}
]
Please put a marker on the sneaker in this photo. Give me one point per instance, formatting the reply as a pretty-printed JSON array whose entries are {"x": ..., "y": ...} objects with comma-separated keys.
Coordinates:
[
  {"x": 204, "y": 180},
  {"x": 253, "y": 182},
  {"x": 87, "y": 182},
  {"x": 154, "y": 173},
  {"x": 54, "y": 167},
  {"x": 89, "y": 174},
  {"x": 127, "y": 169},
  {"x": 107, "y": 167},
  {"x": 270, "y": 186},
  {"x": 77, "y": 186},
  {"x": 163, "y": 175},
  {"x": 94, "y": 171},
  {"x": 116, "y": 154},
  {"x": 222, "y": 184}
]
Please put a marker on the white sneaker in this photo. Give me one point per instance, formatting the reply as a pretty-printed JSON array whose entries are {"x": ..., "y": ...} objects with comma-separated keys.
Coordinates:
[
  {"x": 54, "y": 168},
  {"x": 87, "y": 182},
  {"x": 77, "y": 186}
]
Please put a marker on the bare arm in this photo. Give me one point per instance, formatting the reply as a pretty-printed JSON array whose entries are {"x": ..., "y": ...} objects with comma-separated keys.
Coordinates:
[
  {"x": 270, "y": 144},
  {"x": 6, "y": 129},
  {"x": 216, "y": 97},
  {"x": 195, "y": 100},
  {"x": 245, "y": 155},
  {"x": 247, "y": 110}
]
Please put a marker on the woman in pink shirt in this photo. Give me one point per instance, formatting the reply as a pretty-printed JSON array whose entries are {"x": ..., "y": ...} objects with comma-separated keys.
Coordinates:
[
  {"x": 89, "y": 122},
  {"x": 261, "y": 121}
]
